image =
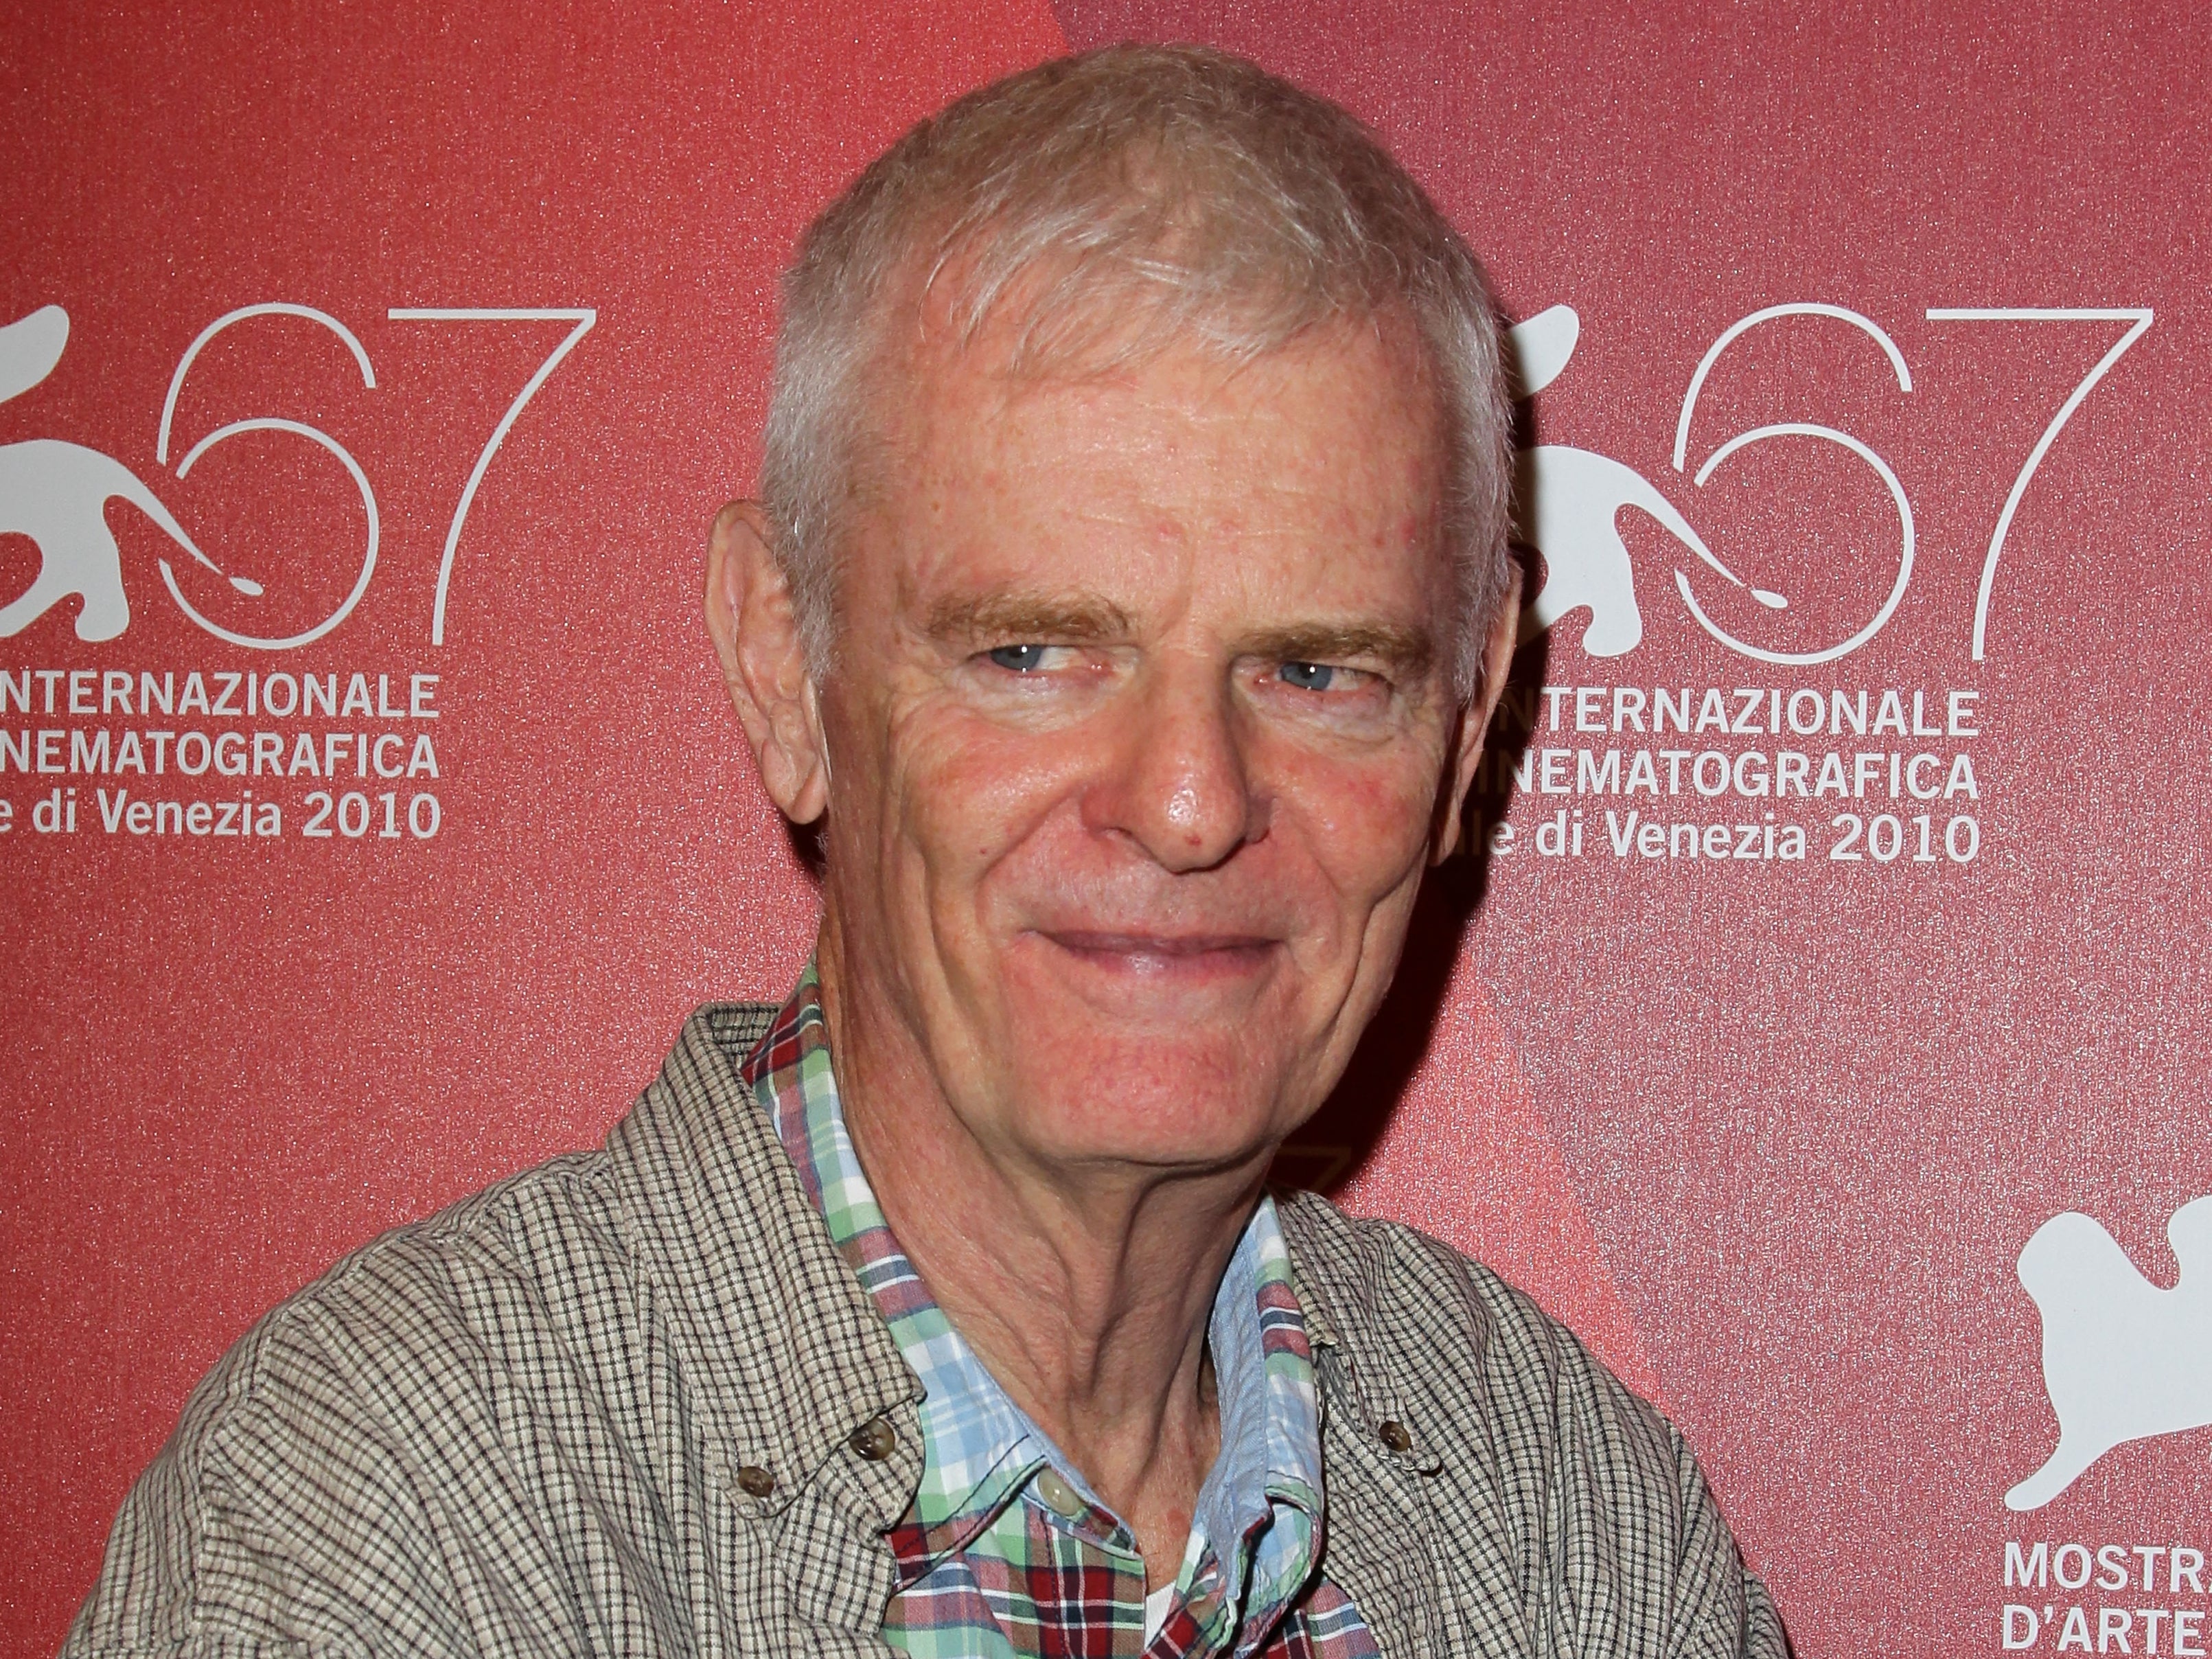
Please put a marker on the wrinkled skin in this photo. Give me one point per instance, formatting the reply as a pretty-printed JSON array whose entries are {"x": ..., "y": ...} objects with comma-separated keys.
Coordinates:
[{"x": 1138, "y": 739}]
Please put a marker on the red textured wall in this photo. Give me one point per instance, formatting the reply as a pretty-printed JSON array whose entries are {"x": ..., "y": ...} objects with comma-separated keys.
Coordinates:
[{"x": 1774, "y": 1132}]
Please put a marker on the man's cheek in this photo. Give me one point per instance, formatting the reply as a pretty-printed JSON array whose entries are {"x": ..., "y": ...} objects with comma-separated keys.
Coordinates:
[
  {"x": 1368, "y": 822},
  {"x": 989, "y": 775},
  {"x": 964, "y": 807}
]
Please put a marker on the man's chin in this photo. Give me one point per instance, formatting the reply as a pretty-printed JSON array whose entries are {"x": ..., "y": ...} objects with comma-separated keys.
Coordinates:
[
  {"x": 1196, "y": 1093},
  {"x": 1159, "y": 1129},
  {"x": 1121, "y": 1051}
]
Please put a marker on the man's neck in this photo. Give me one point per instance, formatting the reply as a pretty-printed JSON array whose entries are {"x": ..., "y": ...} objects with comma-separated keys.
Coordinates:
[{"x": 1087, "y": 1292}]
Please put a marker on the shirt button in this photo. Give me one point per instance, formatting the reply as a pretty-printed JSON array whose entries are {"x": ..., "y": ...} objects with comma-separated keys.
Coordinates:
[
  {"x": 1393, "y": 1436},
  {"x": 1058, "y": 1495},
  {"x": 754, "y": 1480},
  {"x": 873, "y": 1440}
]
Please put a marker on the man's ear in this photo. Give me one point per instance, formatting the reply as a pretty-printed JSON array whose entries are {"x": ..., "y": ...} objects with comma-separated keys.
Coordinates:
[
  {"x": 756, "y": 633},
  {"x": 1474, "y": 720}
]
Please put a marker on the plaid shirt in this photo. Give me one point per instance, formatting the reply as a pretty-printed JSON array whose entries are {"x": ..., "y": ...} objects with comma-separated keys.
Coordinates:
[
  {"x": 629, "y": 1405},
  {"x": 989, "y": 1563}
]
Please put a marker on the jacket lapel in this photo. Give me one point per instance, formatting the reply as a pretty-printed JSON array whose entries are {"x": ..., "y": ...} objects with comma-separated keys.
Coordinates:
[
  {"x": 786, "y": 1351},
  {"x": 1403, "y": 1543}
]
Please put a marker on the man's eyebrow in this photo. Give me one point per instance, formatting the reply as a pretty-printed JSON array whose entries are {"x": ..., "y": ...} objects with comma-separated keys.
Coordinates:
[
  {"x": 1065, "y": 618},
  {"x": 1409, "y": 650}
]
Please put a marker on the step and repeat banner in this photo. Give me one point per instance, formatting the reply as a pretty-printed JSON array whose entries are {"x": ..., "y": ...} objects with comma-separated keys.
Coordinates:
[{"x": 1822, "y": 1032}]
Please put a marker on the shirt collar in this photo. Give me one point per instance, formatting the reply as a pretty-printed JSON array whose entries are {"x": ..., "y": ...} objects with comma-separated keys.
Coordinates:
[
  {"x": 978, "y": 1446},
  {"x": 1260, "y": 1508}
]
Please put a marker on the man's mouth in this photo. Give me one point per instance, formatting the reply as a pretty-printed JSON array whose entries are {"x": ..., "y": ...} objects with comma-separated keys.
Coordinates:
[{"x": 1185, "y": 956}]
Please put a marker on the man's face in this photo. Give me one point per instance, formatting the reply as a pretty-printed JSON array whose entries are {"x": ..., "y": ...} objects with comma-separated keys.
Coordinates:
[{"x": 1140, "y": 714}]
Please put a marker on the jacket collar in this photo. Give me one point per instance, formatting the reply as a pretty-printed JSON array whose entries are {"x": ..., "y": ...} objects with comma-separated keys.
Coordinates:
[
  {"x": 1371, "y": 1296},
  {"x": 1340, "y": 1271},
  {"x": 786, "y": 1350}
]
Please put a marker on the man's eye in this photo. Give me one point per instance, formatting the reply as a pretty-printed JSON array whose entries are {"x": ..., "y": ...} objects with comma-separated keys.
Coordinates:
[
  {"x": 1308, "y": 676},
  {"x": 1017, "y": 659}
]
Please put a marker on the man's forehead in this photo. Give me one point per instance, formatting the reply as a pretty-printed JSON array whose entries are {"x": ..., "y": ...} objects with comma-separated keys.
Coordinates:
[
  {"x": 1348, "y": 406},
  {"x": 1004, "y": 500}
]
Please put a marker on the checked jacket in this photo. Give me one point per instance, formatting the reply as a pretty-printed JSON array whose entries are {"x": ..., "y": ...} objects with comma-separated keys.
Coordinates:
[{"x": 629, "y": 1403}]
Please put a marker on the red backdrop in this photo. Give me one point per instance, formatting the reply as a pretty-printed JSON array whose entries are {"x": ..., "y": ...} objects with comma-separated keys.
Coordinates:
[{"x": 1772, "y": 1131}]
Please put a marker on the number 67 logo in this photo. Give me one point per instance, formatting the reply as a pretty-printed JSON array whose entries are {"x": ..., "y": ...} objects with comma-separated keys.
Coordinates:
[
  {"x": 1568, "y": 499},
  {"x": 56, "y": 493}
]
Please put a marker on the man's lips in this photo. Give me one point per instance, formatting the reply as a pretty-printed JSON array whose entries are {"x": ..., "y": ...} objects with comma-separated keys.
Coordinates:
[{"x": 1176, "y": 954}]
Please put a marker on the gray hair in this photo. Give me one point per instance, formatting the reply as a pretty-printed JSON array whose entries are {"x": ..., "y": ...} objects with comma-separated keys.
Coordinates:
[{"x": 1122, "y": 201}]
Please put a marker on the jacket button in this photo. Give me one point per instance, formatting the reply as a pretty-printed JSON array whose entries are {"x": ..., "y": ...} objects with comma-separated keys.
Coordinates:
[
  {"x": 754, "y": 1480},
  {"x": 873, "y": 1440},
  {"x": 1395, "y": 1437}
]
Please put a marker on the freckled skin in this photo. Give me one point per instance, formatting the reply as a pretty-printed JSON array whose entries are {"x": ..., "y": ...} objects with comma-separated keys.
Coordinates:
[
  {"x": 1160, "y": 777},
  {"x": 1139, "y": 736}
]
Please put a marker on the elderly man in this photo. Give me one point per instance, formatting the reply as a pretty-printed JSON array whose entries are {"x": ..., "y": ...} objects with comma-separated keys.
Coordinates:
[{"x": 1126, "y": 602}]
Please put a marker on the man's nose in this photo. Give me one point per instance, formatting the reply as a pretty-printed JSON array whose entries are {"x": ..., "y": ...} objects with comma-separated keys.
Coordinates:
[{"x": 1179, "y": 784}]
